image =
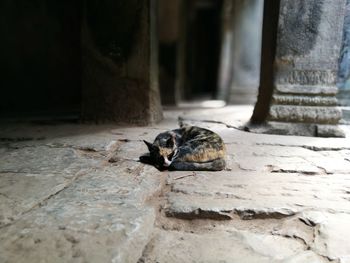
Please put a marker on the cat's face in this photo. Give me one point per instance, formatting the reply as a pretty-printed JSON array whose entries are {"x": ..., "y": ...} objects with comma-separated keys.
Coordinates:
[{"x": 162, "y": 150}]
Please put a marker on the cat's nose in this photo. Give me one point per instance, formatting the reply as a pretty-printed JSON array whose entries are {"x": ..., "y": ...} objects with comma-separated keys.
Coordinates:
[{"x": 166, "y": 162}]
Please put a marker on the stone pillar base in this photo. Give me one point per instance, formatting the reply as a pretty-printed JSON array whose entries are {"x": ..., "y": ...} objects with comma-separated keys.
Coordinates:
[
  {"x": 306, "y": 110},
  {"x": 298, "y": 129}
]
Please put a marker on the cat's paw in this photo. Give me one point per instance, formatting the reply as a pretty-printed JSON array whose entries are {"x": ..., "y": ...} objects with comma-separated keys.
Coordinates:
[{"x": 145, "y": 159}]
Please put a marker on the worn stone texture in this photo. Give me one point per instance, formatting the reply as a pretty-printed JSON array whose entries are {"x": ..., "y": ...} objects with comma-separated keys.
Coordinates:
[
  {"x": 254, "y": 159},
  {"x": 229, "y": 245},
  {"x": 52, "y": 161},
  {"x": 20, "y": 193},
  {"x": 308, "y": 47},
  {"x": 344, "y": 62},
  {"x": 289, "y": 113},
  {"x": 84, "y": 222},
  {"x": 64, "y": 195},
  {"x": 310, "y": 33},
  {"x": 256, "y": 195},
  {"x": 120, "y": 63},
  {"x": 305, "y": 85},
  {"x": 328, "y": 242},
  {"x": 304, "y": 100},
  {"x": 77, "y": 193}
]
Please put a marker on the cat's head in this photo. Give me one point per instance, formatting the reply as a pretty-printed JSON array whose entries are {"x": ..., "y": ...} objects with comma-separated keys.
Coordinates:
[{"x": 162, "y": 150}]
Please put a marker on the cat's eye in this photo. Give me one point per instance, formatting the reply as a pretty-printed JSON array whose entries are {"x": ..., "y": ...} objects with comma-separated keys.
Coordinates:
[{"x": 170, "y": 156}]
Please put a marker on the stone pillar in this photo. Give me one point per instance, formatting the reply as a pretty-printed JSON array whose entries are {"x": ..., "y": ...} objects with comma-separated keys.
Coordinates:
[
  {"x": 120, "y": 63},
  {"x": 245, "y": 71},
  {"x": 344, "y": 68},
  {"x": 308, "y": 47}
]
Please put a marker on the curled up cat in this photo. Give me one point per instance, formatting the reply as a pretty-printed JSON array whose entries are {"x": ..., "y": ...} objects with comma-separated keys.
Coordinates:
[{"x": 188, "y": 148}]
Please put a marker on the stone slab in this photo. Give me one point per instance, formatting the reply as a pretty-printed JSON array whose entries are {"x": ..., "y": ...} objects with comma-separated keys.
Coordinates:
[
  {"x": 331, "y": 234},
  {"x": 45, "y": 159},
  {"x": 20, "y": 193},
  {"x": 277, "y": 164},
  {"x": 275, "y": 158},
  {"x": 30, "y": 175},
  {"x": 101, "y": 217},
  {"x": 72, "y": 233},
  {"x": 228, "y": 245},
  {"x": 331, "y": 164},
  {"x": 255, "y": 195}
]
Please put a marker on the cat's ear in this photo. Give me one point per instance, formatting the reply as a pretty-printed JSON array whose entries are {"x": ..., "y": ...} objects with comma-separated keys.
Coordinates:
[{"x": 150, "y": 146}]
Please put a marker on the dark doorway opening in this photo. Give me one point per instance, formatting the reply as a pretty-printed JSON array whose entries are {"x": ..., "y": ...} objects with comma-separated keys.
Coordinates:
[{"x": 203, "y": 48}]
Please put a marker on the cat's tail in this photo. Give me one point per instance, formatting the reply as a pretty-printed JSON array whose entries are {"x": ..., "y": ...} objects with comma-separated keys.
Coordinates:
[{"x": 215, "y": 165}]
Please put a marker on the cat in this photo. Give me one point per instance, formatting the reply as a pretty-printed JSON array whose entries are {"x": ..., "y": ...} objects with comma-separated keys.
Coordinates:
[{"x": 188, "y": 148}]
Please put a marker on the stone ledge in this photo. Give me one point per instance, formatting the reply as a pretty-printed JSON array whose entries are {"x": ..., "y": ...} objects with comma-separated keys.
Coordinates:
[
  {"x": 305, "y": 114},
  {"x": 306, "y": 89},
  {"x": 304, "y": 100},
  {"x": 299, "y": 129}
]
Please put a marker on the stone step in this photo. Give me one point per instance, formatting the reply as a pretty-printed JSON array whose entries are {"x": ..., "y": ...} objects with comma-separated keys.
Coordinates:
[{"x": 256, "y": 195}]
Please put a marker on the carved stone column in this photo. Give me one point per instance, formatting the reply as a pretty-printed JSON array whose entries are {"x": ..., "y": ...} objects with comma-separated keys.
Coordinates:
[{"x": 308, "y": 47}]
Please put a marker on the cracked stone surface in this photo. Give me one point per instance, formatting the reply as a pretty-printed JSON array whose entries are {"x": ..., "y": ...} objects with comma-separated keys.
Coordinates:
[
  {"x": 331, "y": 232},
  {"x": 77, "y": 193},
  {"x": 256, "y": 195},
  {"x": 64, "y": 200},
  {"x": 229, "y": 245},
  {"x": 84, "y": 221}
]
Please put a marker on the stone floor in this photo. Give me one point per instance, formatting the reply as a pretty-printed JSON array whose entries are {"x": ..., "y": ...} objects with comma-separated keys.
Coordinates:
[{"x": 77, "y": 193}]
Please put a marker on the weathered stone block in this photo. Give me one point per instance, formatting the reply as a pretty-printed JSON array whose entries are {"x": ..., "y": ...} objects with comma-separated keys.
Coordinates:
[
  {"x": 305, "y": 89},
  {"x": 304, "y": 100},
  {"x": 308, "y": 114},
  {"x": 294, "y": 76},
  {"x": 329, "y": 131}
]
